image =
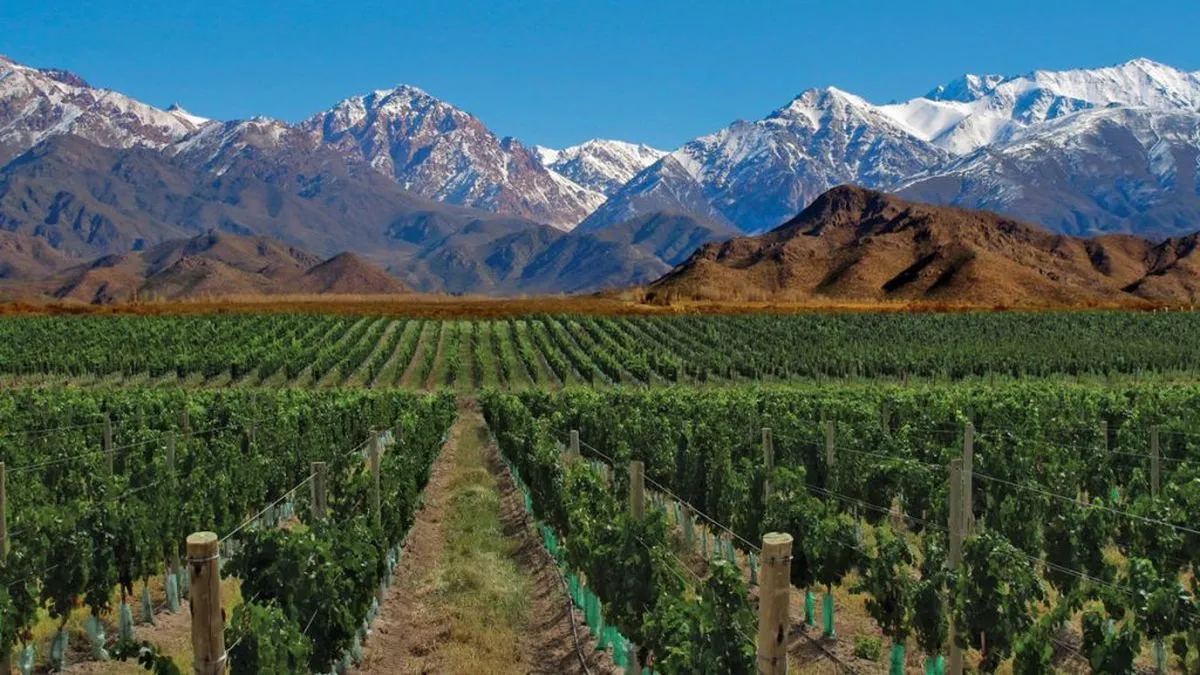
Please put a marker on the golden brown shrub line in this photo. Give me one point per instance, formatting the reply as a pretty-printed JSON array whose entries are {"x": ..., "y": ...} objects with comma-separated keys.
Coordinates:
[{"x": 430, "y": 306}]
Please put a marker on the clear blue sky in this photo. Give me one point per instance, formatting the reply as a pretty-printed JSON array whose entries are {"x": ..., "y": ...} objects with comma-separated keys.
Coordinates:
[{"x": 559, "y": 72}]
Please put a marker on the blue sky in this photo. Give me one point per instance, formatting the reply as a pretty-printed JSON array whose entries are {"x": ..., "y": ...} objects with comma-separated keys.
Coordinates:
[{"x": 556, "y": 73}]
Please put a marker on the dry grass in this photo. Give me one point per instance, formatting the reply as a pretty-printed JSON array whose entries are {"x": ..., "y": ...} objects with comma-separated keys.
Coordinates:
[
  {"x": 485, "y": 592},
  {"x": 623, "y": 303},
  {"x": 171, "y": 632}
]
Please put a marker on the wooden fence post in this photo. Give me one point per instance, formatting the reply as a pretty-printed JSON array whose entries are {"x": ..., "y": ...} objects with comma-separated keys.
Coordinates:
[
  {"x": 574, "y": 448},
  {"x": 768, "y": 448},
  {"x": 187, "y": 421},
  {"x": 968, "y": 468},
  {"x": 637, "y": 489},
  {"x": 373, "y": 457},
  {"x": 108, "y": 446},
  {"x": 954, "y": 557},
  {"x": 3, "y": 512},
  {"x": 774, "y": 593},
  {"x": 319, "y": 503},
  {"x": 172, "y": 481},
  {"x": 376, "y": 502},
  {"x": 1155, "y": 464},
  {"x": 830, "y": 454},
  {"x": 208, "y": 624}
]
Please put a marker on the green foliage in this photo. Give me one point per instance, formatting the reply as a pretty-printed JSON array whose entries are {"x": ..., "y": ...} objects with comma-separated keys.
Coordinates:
[
  {"x": 1109, "y": 648},
  {"x": 868, "y": 647},
  {"x": 930, "y": 623},
  {"x": 84, "y": 530},
  {"x": 264, "y": 640},
  {"x": 706, "y": 635},
  {"x": 889, "y": 580},
  {"x": 996, "y": 591},
  {"x": 628, "y": 563}
]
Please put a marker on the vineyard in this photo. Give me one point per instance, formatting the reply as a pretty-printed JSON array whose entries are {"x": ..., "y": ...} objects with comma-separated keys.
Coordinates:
[
  {"x": 1004, "y": 492},
  {"x": 549, "y": 351},
  {"x": 102, "y": 491},
  {"x": 1081, "y": 506}
]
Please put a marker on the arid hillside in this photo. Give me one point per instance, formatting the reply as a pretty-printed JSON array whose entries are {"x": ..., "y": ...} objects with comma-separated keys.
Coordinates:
[{"x": 858, "y": 244}]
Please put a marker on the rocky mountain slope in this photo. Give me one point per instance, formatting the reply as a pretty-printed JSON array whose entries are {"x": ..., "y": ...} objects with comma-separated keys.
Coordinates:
[
  {"x": 1109, "y": 170},
  {"x": 441, "y": 152},
  {"x": 424, "y": 144},
  {"x": 211, "y": 264},
  {"x": 69, "y": 201},
  {"x": 38, "y": 104},
  {"x": 756, "y": 175},
  {"x": 853, "y": 243}
]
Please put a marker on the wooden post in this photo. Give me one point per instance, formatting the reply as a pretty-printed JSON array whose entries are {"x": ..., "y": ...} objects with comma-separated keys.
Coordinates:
[
  {"x": 108, "y": 446},
  {"x": 208, "y": 624},
  {"x": 954, "y": 557},
  {"x": 3, "y": 512},
  {"x": 172, "y": 481},
  {"x": 774, "y": 593},
  {"x": 830, "y": 456},
  {"x": 574, "y": 448},
  {"x": 1155, "y": 467},
  {"x": 637, "y": 489},
  {"x": 885, "y": 417},
  {"x": 376, "y": 506},
  {"x": 373, "y": 457},
  {"x": 768, "y": 448},
  {"x": 187, "y": 421},
  {"x": 968, "y": 468},
  {"x": 319, "y": 503}
]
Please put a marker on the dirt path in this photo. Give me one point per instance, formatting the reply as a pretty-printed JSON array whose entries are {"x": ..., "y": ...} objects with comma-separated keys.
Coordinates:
[{"x": 475, "y": 591}]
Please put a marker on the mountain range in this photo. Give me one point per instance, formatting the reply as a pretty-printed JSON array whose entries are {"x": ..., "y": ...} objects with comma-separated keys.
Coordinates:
[{"x": 427, "y": 192}]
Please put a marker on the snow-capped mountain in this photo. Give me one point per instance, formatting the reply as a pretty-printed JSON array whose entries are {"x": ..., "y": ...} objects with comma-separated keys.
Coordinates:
[
  {"x": 36, "y": 104},
  {"x": 1112, "y": 169},
  {"x": 439, "y": 151},
  {"x": 600, "y": 165},
  {"x": 425, "y": 144},
  {"x": 974, "y": 111},
  {"x": 756, "y": 175}
]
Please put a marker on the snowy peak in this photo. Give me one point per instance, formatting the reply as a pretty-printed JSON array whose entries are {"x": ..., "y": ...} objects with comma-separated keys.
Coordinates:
[
  {"x": 966, "y": 88},
  {"x": 600, "y": 165},
  {"x": 974, "y": 111},
  {"x": 442, "y": 152},
  {"x": 818, "y": 106},
  {"x": 180, "y": 113},
  {"x": 1140, "y": 82},
  {"x": 38, "y": 104},
  {"x": 757, "y": 175}
]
